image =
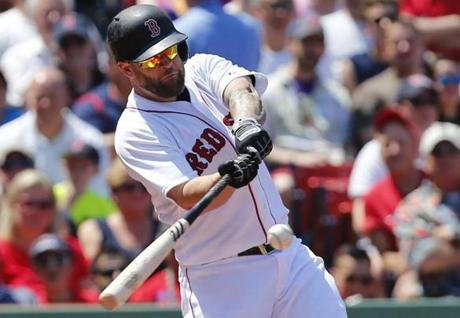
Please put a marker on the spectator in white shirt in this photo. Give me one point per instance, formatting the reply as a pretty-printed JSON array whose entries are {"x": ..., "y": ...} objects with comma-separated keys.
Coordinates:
[{"x": 48, "y": 129}]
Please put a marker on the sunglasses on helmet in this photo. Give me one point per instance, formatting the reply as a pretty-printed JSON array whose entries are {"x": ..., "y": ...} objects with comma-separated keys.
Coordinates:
[{"x": 153, "y": 62}]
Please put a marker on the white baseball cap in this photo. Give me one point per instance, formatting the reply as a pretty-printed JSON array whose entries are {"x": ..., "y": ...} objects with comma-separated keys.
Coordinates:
[{"x": 437, "y": 132}]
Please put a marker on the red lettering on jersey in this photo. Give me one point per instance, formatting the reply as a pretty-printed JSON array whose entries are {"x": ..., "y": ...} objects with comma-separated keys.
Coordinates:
[
  {"x": 200, "y": 149},
  {"x": 195, "y": 163},
  {"x": 228, "y": 120},
  {"x": 213, "y": 138},
  {"x": 206, "y": 152}
]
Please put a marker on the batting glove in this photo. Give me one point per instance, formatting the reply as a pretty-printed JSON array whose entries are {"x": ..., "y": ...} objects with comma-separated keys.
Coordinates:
[
  {"x": 241, "y": 170},
  {"x": 249, "y": 133}
]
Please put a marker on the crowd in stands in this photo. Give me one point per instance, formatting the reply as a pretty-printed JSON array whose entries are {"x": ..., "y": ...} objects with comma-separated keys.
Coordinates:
[{"x": 363, "y": 106}]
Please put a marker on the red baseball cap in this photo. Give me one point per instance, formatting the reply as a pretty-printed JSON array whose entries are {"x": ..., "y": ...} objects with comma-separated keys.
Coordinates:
[{"x": 387, "y": 115}]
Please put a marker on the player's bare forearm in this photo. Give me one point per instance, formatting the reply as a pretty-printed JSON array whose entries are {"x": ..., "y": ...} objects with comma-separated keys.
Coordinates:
[
  {"x": 243, "y": 100},
  {"x": 187, "y": 194}
]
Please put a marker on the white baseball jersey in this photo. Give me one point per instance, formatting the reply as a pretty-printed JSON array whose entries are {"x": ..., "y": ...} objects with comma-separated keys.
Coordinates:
[{"x": 166, "y": 144}]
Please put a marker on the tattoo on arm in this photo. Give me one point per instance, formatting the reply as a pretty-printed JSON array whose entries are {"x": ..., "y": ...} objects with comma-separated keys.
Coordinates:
[{"x": 244, "y": 101}]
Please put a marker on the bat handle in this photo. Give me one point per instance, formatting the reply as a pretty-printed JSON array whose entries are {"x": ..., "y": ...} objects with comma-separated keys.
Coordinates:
[{"x": 207, "y": 198}]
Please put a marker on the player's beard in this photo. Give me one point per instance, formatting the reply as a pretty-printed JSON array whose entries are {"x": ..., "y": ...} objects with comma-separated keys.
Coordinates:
[{"x": 166, "y": 88}]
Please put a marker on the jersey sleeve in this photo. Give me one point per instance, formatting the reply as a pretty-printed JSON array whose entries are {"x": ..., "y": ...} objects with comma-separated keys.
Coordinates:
[
  {"x": 154, "y": 160},
  {"x": 213, "y": 73}
]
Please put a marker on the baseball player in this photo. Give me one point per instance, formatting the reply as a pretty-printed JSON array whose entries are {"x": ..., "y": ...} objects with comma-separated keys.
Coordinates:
[{"x": 187, "y": 122}]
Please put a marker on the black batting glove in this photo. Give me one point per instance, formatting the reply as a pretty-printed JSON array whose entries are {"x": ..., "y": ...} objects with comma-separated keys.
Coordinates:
[
  {"x": 249, "y": 133},
  {"x": 241, "y": 170}
]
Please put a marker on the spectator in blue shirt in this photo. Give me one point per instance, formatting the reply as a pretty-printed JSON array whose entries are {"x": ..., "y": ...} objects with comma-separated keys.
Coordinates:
[
  {"x": 103, "y": 105},
  {"x": 211, "y": 30},
  {"x": 7, "y": 112}
]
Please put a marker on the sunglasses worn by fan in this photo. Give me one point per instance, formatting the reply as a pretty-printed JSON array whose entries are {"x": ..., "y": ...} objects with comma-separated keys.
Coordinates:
[
  {"x": 48, "y": 259},
  {"x": 130, "y": 187},
  {"x": 155, "y": 60},
  {"x": 365, "y": 280},
  {"x": 38, "y": 204}
]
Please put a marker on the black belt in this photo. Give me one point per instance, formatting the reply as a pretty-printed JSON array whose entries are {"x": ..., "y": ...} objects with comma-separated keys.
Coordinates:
[{"x": 257, "y": 250}]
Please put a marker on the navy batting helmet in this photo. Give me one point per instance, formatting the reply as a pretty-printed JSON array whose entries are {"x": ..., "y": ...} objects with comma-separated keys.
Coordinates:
[{"x": 142, "y": 31}]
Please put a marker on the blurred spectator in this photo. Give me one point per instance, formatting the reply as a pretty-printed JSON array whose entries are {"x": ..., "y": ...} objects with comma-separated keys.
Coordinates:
[
  {"x": 274, "y": 16},
  {"x": 48, "y": 129},
  {"x": 362, "y": 66},
  {"x": 7, "y": 112},
  {"x": 16, "y": 25},
  {"x": 398, "y": 140},
  {"x": 404, "y": 49},
  {"x": 354, "y": 275},
  {"x": 106, "y": 266},
  {"x": 102, "y": 11},
  {"x": 344, "y": 36},
  {"x": 37, "y": 50},
  {"x": 211, "y": 30},
  {"x": 305, "y": 113},
  {"x": 240, "y": 6},
  {"x": 438, "y": 21},
  {"x": 52, "y": 261},
  {"x": 29, "y": 211},
  {"x": 103, "y": 105},
  {"x": 447, "y": 75},
  {"x": 418, "y": 99},
  {"x": 76, "y": 53},
  {"x": 129, "y": 230},
  {"x": 13, "y": 161},
  {"x": 307, "y": 117},
  {"x": 73, "y": 195},
  {"x": 427, "y": 222}
]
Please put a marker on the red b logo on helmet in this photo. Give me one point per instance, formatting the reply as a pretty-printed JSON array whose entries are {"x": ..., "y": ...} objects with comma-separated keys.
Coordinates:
[{"x": 153, "y": 27}]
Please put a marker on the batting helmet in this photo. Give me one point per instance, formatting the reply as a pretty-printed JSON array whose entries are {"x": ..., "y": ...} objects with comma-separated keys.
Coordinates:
[{"x": 142, "y": 31}]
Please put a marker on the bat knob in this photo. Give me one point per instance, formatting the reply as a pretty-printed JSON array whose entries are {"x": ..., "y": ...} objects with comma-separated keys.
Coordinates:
[{"x": 108, "y": 301}]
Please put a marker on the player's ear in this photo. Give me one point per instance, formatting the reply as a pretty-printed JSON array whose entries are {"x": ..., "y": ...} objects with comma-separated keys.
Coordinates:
[{"x": 126, "y": 68}]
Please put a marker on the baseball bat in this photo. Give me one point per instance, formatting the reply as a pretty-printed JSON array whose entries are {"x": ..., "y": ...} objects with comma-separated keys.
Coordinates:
[{"x": 119, "y": 290}]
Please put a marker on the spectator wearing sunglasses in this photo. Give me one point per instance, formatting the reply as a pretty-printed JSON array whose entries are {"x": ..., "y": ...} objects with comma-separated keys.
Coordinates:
[
  {"x": 53, "y": 261},
  {"x": 377, "y": 14},
  {"x": 28, "y": 211},
  {"x": 126, "y": 232},
  {"x": 74, "y": 195},
  {"x": 427, "y": 222},
  {"x": 354, "y": 272},
  {"x": 77, "y": 42}
]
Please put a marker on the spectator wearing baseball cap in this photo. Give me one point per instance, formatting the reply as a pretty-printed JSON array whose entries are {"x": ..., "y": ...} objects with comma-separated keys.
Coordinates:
[
  {"x": 417, "y": 98},
  {"x": 53, "y": 261},
  {"x": 13, "y": 161},
  {"x": 73, "y": 195},
  {"x": 307, "y": 117},
  {"x": 77, "y": 41},
  {"x": 420, "y": 94},
  {"x": 427, "y": 221},
  {"x": 398, "y": 140}
]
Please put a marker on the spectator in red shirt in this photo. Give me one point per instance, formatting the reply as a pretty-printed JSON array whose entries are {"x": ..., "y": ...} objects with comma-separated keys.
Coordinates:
[
  {"x": 52, "y": 261},
  {"x": 29, "y": 211},
  {"x": 438, "y": 21},
  {"x": 398, "y": 143}
]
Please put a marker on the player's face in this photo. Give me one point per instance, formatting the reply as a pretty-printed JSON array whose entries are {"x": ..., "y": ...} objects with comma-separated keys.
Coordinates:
[{"x": 163, "y": 82}]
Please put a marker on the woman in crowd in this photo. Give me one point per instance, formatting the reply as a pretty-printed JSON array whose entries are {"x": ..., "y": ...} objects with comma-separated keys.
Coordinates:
[{"x": 29, "y": 211}]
